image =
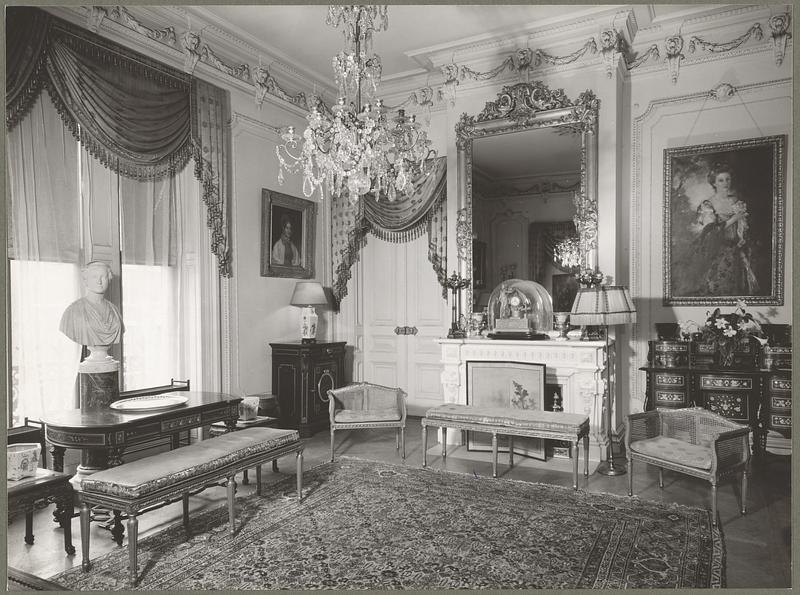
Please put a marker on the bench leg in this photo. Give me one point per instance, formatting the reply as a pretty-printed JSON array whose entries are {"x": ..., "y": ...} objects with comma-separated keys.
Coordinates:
[
  {"x": 299, "y": 465},
  {"x": 575, "y": 466},
  {"x": 185, "y": 499},
  {"x": 403, "y": 442},
  {"x": 494, "y": 454},
  {"x": 245, "y": 478},
  {"x": 511, "y": 451},
  {"x": 274, "y": 465},
  {"x": 332, "y": 431},
  {"x": 133, "y": 547},
  {"x": 424, "y": 446},
  {"x": 86, "y": 519},
  {"x": 258, "y": 480},
  {"x": 661, "y": 477},
  {"x": 444, "y": 442},
  {"x": 585, "y": 455},
  {"x": 231, "y": 504}
]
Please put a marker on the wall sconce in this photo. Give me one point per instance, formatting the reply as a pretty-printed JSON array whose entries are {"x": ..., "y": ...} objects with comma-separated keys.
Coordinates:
[{"x": 308, "y": 294}]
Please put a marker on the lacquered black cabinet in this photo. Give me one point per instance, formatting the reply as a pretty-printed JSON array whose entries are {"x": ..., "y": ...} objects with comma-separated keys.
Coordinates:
[{"x": 302, "y": 373}]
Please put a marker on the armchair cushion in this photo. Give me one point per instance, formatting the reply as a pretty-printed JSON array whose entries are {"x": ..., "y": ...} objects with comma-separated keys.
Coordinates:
[
  {"x": 366, "y": 415},
  {"x": 674, "y": 451}
]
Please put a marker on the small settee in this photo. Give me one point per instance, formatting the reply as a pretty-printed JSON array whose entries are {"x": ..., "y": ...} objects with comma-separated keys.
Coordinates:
[{"x": 693, "y": 441}]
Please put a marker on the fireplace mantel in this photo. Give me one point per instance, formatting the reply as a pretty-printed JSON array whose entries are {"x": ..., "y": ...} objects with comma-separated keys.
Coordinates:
[{"x": 577, "y": 366}]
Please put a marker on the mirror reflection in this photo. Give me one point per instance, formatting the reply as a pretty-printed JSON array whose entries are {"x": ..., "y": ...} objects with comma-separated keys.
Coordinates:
[{"x": 523, "y": 189}]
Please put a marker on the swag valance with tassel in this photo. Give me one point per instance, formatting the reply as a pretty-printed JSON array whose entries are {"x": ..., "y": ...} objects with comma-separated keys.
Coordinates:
[
  {"x": 399, "y": 221},
  {"x": 142, "y": 119}
]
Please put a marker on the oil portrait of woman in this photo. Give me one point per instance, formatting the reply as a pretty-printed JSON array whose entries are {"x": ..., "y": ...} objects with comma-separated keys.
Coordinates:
[{"x": 724, "y": 222}]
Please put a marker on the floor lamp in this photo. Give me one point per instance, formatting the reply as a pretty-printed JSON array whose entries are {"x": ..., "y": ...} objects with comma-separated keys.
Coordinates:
[{"x": 605, "y": 305}]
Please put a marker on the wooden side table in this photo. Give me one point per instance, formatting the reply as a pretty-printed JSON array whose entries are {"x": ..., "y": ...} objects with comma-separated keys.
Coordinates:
[{"x": 31, "y": 493}]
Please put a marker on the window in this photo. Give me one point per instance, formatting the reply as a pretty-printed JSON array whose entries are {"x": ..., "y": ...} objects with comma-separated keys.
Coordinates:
[{"x": 68, "y": 209}]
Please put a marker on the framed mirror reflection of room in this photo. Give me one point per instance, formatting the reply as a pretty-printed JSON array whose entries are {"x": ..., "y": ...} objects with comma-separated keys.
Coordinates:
[{"x": 527, "y": 162}]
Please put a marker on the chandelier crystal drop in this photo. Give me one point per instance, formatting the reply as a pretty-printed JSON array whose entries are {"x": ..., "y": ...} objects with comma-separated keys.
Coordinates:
[{"x": 355, "y": 147}]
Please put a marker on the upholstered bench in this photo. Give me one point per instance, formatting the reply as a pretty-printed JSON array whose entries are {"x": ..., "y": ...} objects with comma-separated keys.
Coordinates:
[
  {"x": 164, "y": 478},
  {"x": 553, "y": 425}
]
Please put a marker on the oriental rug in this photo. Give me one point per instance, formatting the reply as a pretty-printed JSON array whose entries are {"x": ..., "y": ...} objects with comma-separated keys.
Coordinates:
[{"x": 374, "y": 525}]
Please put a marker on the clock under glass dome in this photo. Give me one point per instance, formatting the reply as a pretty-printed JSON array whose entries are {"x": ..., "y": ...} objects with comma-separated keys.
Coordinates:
[{"x": 520, "y": 309}]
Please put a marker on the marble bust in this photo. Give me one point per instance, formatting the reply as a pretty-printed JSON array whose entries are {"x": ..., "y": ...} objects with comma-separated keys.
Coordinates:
[{"x": 93, "y": 320}]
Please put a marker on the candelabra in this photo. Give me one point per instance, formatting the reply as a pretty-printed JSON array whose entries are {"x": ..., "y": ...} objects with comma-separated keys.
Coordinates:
[{"x": 456, "y": 283}]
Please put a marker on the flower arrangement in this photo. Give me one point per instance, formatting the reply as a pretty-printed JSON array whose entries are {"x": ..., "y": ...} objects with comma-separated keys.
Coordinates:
[
  {"x": 725, "y": 331},
  {"x": 590, "y": 278}
]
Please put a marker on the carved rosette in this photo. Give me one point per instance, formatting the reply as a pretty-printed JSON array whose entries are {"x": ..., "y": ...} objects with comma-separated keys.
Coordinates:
[
  {"x": 674, "y": 47},
  {"x": 779, "y": 24}
]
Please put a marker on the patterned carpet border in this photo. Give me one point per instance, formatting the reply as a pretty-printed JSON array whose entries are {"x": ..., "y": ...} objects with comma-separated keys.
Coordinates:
[{"x": 375, "y": 525}]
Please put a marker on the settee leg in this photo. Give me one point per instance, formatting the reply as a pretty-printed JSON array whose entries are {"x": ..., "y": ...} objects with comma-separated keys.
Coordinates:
[
  {"x": 661, "y": 477},
  {"x": 744, "y": 492},
  {"x": 332, "y": 430},
  {"x": 575, "y": 467},
  {"x": 510, "y": 451},
  {"x": 299, "y": 471},
  {"x": 403, "y": 442},
  {"x": 714, "y": 504},
  {"x": 424, "y": 446},
  {"x": 630, "y": 477},
  {"x": 444, "y": 442}
]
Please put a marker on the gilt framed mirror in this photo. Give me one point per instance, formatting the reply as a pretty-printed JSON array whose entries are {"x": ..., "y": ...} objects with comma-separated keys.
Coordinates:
[{"x": 527, "y": 173}]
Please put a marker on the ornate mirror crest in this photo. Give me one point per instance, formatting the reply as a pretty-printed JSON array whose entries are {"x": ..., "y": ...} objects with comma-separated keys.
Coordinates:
[{"x": 523, "y": 107}]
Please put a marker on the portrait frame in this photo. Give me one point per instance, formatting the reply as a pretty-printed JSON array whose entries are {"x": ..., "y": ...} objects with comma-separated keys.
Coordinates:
[
  {"x": 701, "y": 265},
  {"x": 565, "y": 288},
  {"x": 514, "y": 385},
  {"x": 276, "y": 209}
]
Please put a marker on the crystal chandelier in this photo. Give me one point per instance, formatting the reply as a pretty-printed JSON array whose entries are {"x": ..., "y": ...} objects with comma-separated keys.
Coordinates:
[
  {"x": 354, "y": 148},
  {"x": 567, "y": 253}
]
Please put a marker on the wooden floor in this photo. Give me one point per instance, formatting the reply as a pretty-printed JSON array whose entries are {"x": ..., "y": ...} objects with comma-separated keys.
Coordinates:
[{"x": 758, "y": 545}]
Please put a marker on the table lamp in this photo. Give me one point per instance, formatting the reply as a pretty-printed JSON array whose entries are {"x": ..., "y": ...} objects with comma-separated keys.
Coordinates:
[
  {"x": 308, "y": 294},
  {"x": 605, "y": 305}
]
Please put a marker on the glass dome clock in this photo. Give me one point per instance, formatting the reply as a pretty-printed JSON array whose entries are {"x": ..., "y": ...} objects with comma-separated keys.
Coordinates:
[{"x": 520, "y": 309}]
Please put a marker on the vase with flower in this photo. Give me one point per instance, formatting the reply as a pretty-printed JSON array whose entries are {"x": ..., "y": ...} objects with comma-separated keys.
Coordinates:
[{"x": 729, "y": 333}]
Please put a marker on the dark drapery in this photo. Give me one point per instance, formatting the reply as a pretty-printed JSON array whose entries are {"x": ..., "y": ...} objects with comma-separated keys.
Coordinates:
[
  {"x": 140, "y": 118},
  {"x": 399, "y": 221},
  {"x": 542, "y": 240}
]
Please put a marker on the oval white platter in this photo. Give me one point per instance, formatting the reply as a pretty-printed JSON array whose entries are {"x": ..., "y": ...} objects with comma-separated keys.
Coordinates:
[{"x": 149, "y": 403}]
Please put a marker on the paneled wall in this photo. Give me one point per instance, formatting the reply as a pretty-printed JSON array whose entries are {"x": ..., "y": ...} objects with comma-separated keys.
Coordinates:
[{"x": 648, "y": 104}]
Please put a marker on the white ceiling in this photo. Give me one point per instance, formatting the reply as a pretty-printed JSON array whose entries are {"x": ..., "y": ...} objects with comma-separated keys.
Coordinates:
[{"x": 300, "y": 35}]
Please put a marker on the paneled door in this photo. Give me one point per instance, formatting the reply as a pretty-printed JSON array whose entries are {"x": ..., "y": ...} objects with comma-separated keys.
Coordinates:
[{"x": 404, "y": 313}]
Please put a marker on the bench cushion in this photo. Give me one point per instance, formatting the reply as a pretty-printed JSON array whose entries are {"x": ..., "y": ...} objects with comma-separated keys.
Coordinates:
[
  {"x": 675, "y": 451},
  {"x": 510, "y": 418},
  {"x": 344, "y": 416},
  {"x": 150, "y": 474}
]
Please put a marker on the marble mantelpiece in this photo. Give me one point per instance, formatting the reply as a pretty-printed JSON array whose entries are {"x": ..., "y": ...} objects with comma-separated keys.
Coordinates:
[{"x": 578, "y": 367}]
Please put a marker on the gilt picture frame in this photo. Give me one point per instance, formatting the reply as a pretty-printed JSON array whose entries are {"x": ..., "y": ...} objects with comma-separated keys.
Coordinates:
[
  {"x": 510, "y": 385},
  {"x": 724, "y": 222},
  {"x": 288, "y": 225}
]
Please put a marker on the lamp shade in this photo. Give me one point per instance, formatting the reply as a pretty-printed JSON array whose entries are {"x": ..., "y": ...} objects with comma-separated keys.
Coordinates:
[
  {"x": 308, "y": 293},
  {"x": 603, "y": 305}
]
